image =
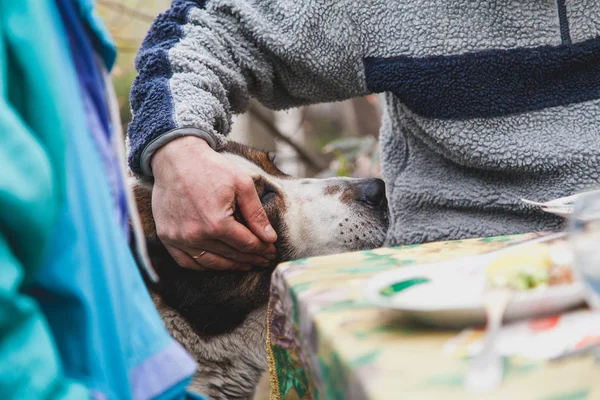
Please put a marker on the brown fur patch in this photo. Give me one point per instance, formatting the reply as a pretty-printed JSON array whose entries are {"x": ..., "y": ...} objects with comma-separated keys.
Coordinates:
[
  {"x": 347, "y": 197},
  {"x": 143, "y": 198},
  {"x": 260, "y": 158},
  {"x": 251, "y": 283},
  {"x": 332, "y": 190}
]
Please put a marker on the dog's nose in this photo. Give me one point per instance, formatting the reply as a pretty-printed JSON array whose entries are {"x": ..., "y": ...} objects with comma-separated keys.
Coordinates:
[{"x": 371, "y": 192}]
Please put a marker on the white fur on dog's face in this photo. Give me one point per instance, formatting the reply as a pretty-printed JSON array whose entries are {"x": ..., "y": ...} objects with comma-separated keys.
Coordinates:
[
  {"x": 320, "y": 222},
  {"x": 321, "y": 216}
]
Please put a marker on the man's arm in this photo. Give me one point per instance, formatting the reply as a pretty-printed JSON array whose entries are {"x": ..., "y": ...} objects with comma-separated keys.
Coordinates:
[
  {"x": 202, "y": 60},
  {"x": 199, "y": 64}
]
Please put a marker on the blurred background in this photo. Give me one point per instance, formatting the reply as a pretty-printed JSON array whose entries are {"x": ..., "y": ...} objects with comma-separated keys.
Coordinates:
[{"x": 316, "y": 141}]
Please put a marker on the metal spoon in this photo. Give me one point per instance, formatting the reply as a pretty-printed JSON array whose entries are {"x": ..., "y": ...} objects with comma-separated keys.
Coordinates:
[{"x": 487, "y": 370}]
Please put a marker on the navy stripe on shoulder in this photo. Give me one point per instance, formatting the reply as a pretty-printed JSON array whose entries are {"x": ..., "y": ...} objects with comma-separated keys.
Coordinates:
[
  {"x": 491, "y": 83},
  {"x": 150, "y": 96},
  {"x": 166, "y": 27}
]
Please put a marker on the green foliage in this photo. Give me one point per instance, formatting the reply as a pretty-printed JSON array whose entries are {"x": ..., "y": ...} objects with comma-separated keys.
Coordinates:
[
  {"x": 122, "y": 83},
  {"x": 354, "y": 156}
]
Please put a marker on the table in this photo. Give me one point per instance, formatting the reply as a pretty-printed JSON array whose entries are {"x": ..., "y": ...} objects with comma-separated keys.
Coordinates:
[{"x": 325, "y": 342}]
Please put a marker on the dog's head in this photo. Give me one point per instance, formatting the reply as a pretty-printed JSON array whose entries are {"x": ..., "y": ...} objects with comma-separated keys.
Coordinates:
[
  {"x": 315, "y": 216},
  {"x": 311, "y": 217}
]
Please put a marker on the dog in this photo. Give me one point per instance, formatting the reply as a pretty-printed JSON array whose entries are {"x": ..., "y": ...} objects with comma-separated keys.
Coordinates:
[{"x": 220, "y": 316}]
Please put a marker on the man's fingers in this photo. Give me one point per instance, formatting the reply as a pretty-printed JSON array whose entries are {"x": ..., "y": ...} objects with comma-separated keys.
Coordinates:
[
  {"x": 224, "y": 250},
  {"x": 253, "y": 211},
  {"x": 201, "y": 260},
  {"x": 240, "y": 238},
  {"x": 213, "y": 261},
  {"x": 183, "y": 259}
]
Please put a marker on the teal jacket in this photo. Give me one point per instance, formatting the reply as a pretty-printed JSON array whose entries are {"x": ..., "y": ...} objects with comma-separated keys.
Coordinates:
[{"x": 76, "y": 320}]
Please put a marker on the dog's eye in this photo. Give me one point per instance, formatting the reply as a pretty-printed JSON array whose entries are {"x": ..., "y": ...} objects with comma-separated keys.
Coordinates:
[{"x": 268, "y": 194}]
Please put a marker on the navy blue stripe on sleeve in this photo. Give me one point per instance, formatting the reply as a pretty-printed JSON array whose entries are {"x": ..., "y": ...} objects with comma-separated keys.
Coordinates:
[{"x": 150, "y": 97}]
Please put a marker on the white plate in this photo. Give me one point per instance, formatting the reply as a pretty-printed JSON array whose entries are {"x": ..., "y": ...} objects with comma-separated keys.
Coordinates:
[
  {"x": 563, "y": 207},
  {"x": 452, "y": 295}
]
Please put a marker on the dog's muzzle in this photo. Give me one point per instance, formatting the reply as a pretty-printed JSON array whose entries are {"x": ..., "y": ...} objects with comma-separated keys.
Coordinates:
[{"x": 371, "y": 192}]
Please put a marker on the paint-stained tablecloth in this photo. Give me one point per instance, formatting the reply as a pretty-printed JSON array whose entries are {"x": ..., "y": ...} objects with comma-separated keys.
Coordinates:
[{"x": 325, "y": 342}]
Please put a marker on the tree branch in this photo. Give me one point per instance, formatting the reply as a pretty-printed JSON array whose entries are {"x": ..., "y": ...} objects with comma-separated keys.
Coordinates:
[
  {"x": 309, "y": 159},
  {"x": 127, "y": 49},
  {"x": 126, "y": 10},
  {"x": 127, "y": 45}
]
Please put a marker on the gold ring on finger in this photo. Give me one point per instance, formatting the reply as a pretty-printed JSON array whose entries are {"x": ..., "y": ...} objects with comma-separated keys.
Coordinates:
[{"x": 197, "y": 256}]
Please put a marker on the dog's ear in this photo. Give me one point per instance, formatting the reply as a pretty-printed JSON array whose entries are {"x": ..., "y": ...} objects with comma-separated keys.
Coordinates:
[{"x": 143, "y": 200}]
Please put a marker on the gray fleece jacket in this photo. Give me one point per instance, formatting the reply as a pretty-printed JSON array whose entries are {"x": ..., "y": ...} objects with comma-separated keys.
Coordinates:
[{"x": 487, "y": 101}]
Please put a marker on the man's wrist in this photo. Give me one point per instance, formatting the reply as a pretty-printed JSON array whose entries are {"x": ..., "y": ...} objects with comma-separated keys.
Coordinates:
[
  {"x": 174, "y": 148},
  {"x": 177, "y": 134}
]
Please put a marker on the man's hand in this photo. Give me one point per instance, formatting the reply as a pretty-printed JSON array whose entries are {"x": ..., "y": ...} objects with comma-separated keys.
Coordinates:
[{"x": 195, "y": 194}]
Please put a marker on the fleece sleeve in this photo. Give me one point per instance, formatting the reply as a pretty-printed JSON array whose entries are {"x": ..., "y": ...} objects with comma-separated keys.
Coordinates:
[{"x": 202, "y": 61}]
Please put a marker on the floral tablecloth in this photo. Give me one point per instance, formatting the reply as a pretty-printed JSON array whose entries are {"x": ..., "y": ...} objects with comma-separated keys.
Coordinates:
[{"x": 325, "y": 342}]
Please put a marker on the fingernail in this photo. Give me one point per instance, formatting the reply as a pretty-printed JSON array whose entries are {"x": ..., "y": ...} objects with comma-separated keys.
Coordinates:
[
  {"x": 270, "y": 256},
  {"x": 270, "y": 232}
]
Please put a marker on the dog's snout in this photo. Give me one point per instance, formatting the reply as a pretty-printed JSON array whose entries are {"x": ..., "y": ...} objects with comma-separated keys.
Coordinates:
[{"x": 371, "y": 192}]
